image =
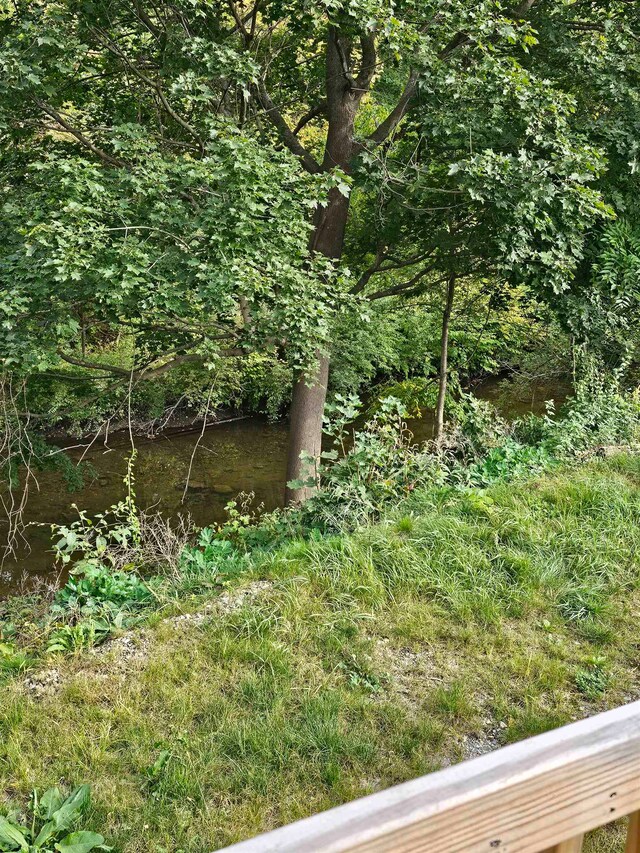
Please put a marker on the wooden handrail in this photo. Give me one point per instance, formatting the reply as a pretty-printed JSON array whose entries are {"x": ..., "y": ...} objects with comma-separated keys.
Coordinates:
[{"x": 541, "y": 794}]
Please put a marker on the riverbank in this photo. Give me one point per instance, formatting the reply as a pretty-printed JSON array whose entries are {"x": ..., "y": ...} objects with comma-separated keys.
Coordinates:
[
  {"x": 332, "y": 668},
  {"x": 235, "y": 454}
]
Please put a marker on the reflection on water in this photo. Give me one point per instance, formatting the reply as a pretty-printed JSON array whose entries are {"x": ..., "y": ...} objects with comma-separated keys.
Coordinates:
[
  {"x": 240, "y": 456},
  {"x": 244, "y": 455}
]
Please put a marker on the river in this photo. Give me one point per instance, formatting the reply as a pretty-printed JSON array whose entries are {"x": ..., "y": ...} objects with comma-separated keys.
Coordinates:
[{"x": 246, "y": 455}]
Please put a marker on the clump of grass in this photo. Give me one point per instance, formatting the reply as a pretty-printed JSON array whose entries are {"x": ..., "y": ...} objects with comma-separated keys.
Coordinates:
[
  {"x": 532, "y": 721},
  {"x": 596, "y": 631},
  {"x": 405, "y": 524},
  {"x": 452, "y": 702},
  {"x": 592, "y": 681}
]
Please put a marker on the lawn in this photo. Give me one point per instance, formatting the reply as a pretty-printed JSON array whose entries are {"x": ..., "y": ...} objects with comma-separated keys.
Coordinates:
[{"x": 337, "y": 667}]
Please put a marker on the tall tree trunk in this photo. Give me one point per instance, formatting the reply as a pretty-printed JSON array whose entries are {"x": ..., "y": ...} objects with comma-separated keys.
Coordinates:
[
  {"x": 305, "y": 435},
  {"x": 444, "y": 358},
  {"x": 309, "y": 393}
]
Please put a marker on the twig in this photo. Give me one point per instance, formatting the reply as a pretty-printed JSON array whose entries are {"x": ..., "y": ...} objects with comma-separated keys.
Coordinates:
[{"x": 197, "y": 444}]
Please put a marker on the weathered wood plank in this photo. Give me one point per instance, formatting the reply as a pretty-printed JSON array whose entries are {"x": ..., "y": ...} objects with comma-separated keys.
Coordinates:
[{"x": 520, "y": 799}]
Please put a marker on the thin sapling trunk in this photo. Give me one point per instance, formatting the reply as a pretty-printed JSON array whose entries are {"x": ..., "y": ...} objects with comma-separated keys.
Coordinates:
[{"x": 444, "y": 358}]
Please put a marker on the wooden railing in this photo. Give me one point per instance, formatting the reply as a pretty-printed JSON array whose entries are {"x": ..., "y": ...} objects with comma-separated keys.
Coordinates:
[{"x": 542, "y": 794}]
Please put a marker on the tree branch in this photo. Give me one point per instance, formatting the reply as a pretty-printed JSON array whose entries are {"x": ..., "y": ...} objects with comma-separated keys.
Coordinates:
[
  {"x": 368, "y": 64},
  {"x": 386, "y": 128},
  {"x": 93, "y": 365},
  {"x": 254, "y": 18},
  {"x": 377, "y": 266},
  {"x": 344, "y": 60},
  {"x": 314, "y": 112},
  {"x": 240, "y": 23},
  {"x": 286, "y": 134},
  {"x": 152, "y": 373},
  {"x": 407, "y": 287},
  {"x": 588, "y": 26},
  {"x": 145, "y": 373},
  {"x": 158, "y": 32},
  {"x": 362, "y": 282},
  {"x": 84, "y": 140}
]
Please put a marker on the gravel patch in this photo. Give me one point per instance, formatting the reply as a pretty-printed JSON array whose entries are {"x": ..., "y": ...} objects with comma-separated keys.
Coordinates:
[
  {"x": 122, "y": 656},
  {"x": 43, "y": 683}
]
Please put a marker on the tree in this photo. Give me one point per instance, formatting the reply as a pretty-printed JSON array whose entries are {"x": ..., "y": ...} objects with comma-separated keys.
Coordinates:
[{"x": 221, "y": 176}]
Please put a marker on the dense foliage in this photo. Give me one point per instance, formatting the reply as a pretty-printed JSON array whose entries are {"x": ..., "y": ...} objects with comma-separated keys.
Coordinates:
[
  {"x": 203, "y": 184},
  {"x": 126, "y": 564}
]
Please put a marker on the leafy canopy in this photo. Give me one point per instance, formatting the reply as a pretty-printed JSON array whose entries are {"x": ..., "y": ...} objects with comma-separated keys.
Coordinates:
[{"x": 164, "y": 164}]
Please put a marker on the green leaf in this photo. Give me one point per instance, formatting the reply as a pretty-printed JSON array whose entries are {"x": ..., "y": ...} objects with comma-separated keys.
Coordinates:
[
  {"x": 309, "y": 483},
  {"x": 68, "y": 812},
  {"x": 80, "y": 842},
  {"x": 331, "y": 455},
  {"x": 50, "y": 803},
  {"x": 11, "y": 837}
]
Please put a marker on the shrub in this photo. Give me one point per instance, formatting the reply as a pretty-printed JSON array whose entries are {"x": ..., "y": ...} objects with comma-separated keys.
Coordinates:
[
  {"x": 92, "y": 585},
  {"x": 506, "y": 462},
  {"x": 600, "y": 413},
  {"x": 367, "y": 469},
  {"x": 211, "y": 556},
  {"x": 380, "y": 464}
]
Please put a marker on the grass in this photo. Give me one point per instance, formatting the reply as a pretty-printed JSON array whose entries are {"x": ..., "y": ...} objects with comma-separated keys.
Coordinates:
[{"x": 455, "y": 625}]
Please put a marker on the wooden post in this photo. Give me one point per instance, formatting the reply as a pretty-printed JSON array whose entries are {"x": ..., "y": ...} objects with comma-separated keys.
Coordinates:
[
  {"x": 633, "y": 834},
  {"x": 572, "y": 845}
]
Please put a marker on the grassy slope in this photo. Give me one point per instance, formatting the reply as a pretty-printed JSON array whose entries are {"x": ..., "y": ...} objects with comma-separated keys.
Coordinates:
[{"x": 454, "y": 626}]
